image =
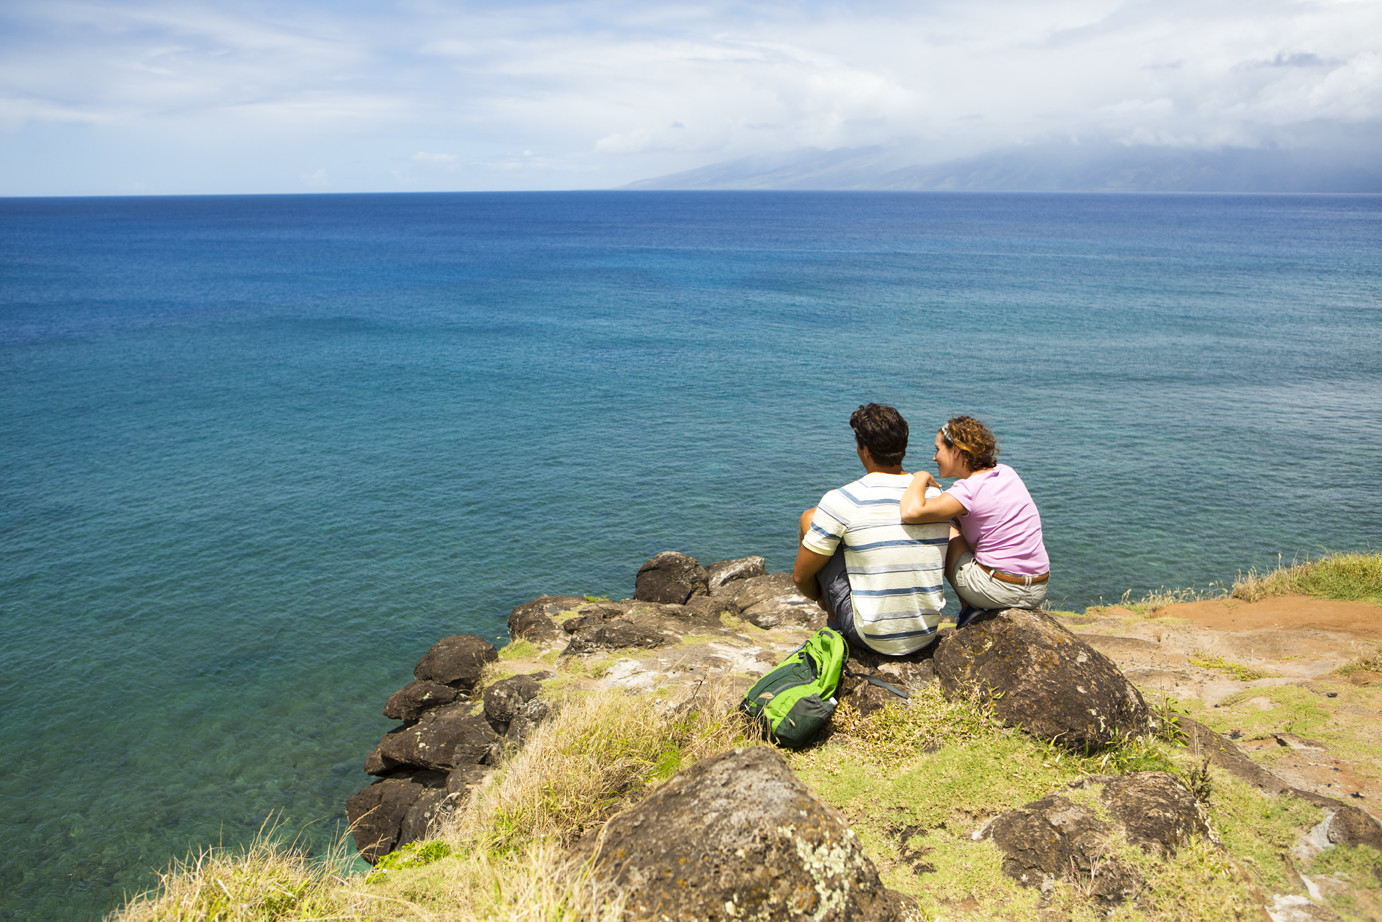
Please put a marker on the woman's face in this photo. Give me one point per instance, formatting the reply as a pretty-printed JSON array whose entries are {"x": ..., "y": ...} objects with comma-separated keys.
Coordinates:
[{"x": 949, "y": 461}]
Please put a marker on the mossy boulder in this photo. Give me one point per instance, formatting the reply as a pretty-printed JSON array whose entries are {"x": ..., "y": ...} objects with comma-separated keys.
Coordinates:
[
  {"x": 737, "y": 836},
  {"x": 1039, "y": 676}
]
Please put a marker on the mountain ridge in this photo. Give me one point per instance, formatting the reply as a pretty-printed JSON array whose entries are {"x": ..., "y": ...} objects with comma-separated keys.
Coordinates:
[{"x": 1045, "y": 168}]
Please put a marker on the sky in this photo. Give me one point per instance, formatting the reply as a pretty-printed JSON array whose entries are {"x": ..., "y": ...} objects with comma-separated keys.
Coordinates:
[{"x": 198, "y": 97}]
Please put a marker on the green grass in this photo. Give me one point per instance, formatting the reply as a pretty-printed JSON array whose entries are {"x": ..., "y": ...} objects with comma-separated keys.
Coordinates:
[
  {"x": 916, "y": 781},
  {"x": 266, "y": 882},
  {"x": 1160, "y": 598},
  {"x": 1236, "y": 670},
  {"x": 1360, "y": 868},
  {"x": 1259, "y": 830},
  {"x": 518, "y": 649},
  {"x": 1352, "y": 577}
]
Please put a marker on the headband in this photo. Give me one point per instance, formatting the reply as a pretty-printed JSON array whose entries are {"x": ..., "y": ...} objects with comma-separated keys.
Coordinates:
[{"x": 945, "y": 434}]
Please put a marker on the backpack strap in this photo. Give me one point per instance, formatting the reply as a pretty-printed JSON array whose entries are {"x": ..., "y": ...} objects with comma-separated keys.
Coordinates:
[{"x": 879, "y": 682}]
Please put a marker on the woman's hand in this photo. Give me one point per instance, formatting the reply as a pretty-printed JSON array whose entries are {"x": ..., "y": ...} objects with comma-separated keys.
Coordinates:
[
  {"x": 927, "y": 481},
  {"x": 916, "y": 509}
]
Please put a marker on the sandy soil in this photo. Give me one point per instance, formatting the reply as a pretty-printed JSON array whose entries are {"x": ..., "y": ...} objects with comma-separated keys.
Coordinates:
[
  {"x": 1292, "y": 641},
  {"x": 1284, "y": 613}
]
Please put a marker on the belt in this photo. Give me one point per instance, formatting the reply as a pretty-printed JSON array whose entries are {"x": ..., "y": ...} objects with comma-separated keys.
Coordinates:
[{"x": 1015, "y": 580}]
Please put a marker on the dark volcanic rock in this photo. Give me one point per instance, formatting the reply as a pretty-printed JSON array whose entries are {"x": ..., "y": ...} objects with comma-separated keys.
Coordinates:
[
  {"x": 1039, "y": 676},
  {"x": 525, "y": 720},
  {"x": 456, "y": 661},
  {"x": 1157, "y": 811},
  {"x": 465, "y": 778},
  {"x": 443, "y": 739},
  {"x": 670, "y": 577},
  {"x": 409, "y": 702},
  {"x": 702, "y": 610},
  {"x": 725, "y": 571},
  {"x": 431, "y": 806},
  {"x": 866, "y": 668},
  {"x": 737, "y": 836},
  {"x": 536, "y": 620},
  {"x": 376, "y": 814},
  {"x": 503, "y": 698},
  {"x": 1350, "y": 825},
  {"x": 376, "y": 764},
  {"x": 1055, "y": 837},
  {"x": 613, "y": 636}
]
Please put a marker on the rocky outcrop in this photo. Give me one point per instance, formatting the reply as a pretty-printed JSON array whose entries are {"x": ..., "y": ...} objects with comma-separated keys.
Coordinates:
[
  {"x": 771, "y": 601},
  {"x": 1058, "y": 837},
  {"x": 443, "y": 748},
  {"x": 536, "y": 620},
  {"x": 441, "y": 740},
  {"x": 376, "y": 813},
  {"x": 456, "y": 661},
  {"x": 416, "y": 698},
  {"x": 738, "y": 837},
  {"x": 727, "y": 571},
  {"x": 670, "y": 577},
  {"x": 1037, "y": 675}
]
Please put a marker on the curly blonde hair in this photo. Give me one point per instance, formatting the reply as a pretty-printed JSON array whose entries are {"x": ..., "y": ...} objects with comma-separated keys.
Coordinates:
[{"x": 976, "y": 442}]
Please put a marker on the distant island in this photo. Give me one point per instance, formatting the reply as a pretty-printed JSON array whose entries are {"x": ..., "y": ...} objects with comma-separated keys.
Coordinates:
[{"x": 905, "y": 167}]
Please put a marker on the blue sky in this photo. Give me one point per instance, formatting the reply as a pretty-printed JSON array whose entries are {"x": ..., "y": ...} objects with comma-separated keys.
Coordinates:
[{"x": 186, "y": 96}]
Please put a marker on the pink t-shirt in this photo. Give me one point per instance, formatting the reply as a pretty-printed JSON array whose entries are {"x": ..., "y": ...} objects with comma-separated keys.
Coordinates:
[{"x": 1002, "y": 525}]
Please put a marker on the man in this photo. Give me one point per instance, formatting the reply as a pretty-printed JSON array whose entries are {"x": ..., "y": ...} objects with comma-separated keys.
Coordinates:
[{"x": 879, "y": 581}]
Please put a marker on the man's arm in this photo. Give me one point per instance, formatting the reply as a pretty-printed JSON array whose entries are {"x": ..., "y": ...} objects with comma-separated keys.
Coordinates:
[
  {"x": 808, "y": 562},
  {"x": 804, "y": 571}
]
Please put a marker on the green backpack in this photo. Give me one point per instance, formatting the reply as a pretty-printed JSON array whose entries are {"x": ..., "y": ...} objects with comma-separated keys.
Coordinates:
[{"x": 794, "y": 701}]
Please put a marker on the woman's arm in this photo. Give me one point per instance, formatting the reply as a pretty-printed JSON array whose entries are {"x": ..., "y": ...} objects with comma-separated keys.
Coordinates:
[{"x": 916, "y": 509}]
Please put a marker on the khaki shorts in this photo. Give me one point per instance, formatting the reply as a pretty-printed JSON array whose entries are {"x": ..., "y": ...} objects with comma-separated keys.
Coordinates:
[{"x": 976, "y": 587}]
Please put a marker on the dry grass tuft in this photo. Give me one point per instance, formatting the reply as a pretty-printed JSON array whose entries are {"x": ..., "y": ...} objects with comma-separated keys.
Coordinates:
[
  {"x": 1352, "y": 577},
  {"x": 1162, "y": 597},
  {"x": 1370, "y": 661},
  {"x": 540, "y": 883},
  {"x": 265, "y": 882},
  {"x": 596, "y": 753}
]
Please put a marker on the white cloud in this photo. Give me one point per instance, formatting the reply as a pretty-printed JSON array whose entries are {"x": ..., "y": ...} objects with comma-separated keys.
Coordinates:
[
  {"x": 444, "y": 161},
  {"x": 607, "y": 92}
]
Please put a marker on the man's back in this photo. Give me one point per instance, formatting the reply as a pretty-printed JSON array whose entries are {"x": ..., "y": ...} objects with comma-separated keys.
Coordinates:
[{"x": 896, "y": 571}]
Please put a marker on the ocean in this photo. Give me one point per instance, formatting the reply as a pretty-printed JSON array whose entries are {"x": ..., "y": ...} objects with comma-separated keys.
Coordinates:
[{"x": 258, "y": 453}]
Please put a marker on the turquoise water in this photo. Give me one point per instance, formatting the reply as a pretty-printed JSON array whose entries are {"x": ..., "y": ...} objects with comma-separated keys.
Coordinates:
[{"x": 256, "y": 454}]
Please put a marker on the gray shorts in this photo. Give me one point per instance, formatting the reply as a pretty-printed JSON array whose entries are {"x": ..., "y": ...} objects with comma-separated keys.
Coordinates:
[{"x": 976, "y": 587}]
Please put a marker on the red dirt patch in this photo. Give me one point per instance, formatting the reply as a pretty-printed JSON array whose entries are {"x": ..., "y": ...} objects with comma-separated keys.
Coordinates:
[{"x": 1284, "y": 613}]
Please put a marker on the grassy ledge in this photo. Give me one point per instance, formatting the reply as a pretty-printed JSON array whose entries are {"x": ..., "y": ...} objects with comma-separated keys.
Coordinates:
[
  {"x": 916, "y": 780},
  {"x": 1346, "y": 577},
  {"x": 1352, "y": 577}
]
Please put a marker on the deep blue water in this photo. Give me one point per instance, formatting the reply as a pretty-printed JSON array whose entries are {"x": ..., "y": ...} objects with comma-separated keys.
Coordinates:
[{"x": 257, "y": 453}]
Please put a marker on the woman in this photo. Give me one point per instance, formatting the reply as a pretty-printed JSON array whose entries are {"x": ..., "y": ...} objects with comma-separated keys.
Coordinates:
[{"x": 996, "y": 557}]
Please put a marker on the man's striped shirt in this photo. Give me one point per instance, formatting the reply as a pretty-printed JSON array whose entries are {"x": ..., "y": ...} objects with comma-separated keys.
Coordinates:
[{"x": 896, "y": 571}]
